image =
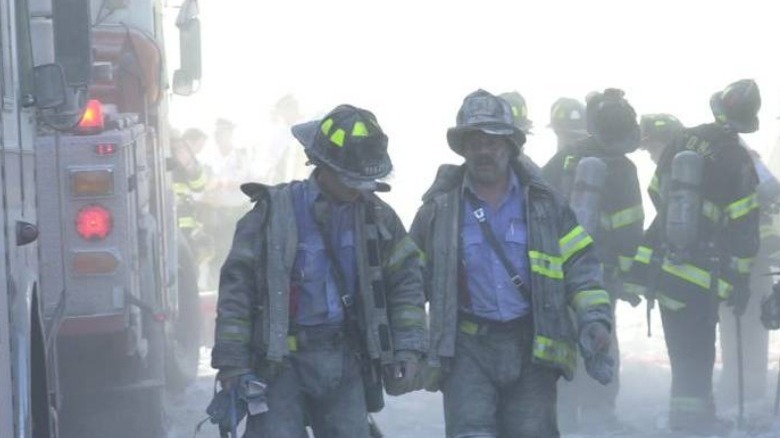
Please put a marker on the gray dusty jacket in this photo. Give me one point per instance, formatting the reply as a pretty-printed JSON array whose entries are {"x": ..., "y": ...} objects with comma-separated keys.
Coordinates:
[
  {"x": 253, "y": 307},
  {"x": 565, "y": 273}
]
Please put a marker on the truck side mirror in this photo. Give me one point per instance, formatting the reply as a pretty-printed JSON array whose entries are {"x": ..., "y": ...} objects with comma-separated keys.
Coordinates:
[
  {"x": 189, "y": 49},
  {"x": 73, "y": 40},
  {"x": 50, "y": 87}
]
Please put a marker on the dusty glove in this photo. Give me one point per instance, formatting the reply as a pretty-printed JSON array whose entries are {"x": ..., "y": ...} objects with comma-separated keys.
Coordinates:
[
  {"x": 403, "y": 375},
  {"x": 595, "y": 340},
  {"x": 430, "y": 377}
]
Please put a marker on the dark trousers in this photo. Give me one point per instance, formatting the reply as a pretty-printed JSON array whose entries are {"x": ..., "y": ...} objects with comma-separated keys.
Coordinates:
[
  {"x": 494, "y": 390},
  {"x": 690, "y": 342},
  {"x": 321, "y": 385}
]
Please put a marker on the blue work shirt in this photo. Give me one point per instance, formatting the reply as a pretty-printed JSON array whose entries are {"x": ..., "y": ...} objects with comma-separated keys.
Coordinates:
[
  {"x": 315, "y": 297},
  {"x": 491, "y": 291}
]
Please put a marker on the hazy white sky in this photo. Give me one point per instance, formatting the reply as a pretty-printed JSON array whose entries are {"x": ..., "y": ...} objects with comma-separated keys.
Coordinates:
[{"x": 413, "y": 62}]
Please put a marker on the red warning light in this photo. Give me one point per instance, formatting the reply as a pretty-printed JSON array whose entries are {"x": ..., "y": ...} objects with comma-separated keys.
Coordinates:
[
  {"x": 105, "y": 149},
  {"x": 92, "y": 120},
  {"x": 93, "y": 222}
]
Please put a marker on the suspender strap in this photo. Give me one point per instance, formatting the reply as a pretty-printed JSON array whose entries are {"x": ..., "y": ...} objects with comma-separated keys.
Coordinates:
[{"x": 487, "y": 231}]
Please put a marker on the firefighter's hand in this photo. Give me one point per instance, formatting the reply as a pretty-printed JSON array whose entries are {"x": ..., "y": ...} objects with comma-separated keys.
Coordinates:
[
  {"x": 632, "y": 299},
  {"x": 403, "y": 375},
  {"x": 595, "y": 341},
  {"x": 600, "y": 367},
  {"x": 595, "y": 338},
  {"x": 430, "y": 377}
]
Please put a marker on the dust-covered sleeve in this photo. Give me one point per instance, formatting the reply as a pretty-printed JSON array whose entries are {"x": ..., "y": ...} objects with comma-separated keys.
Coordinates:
[
  {"x": 740, "y": 237},
  {"x": 238, "y": 292},
  {"x": 403, "y": 274},
  {"x": 582, "y": 274}
]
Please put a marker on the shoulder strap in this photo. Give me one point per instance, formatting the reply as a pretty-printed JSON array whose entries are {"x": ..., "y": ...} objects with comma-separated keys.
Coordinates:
[{"x": 479, "y": 215}]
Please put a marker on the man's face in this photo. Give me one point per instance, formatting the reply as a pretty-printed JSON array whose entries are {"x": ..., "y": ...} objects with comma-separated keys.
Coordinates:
[{"x": 487, "y": 156}]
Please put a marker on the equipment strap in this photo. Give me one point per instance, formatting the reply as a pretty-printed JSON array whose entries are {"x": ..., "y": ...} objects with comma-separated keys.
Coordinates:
[{"x": 487, "y": 231}]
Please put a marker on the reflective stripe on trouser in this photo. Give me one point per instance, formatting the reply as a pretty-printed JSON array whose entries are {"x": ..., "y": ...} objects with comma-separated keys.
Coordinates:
[
  {"x": 690, "y": 342},
  {"x": 494, "y": 389},
  {"x": 326, "y": 380}
]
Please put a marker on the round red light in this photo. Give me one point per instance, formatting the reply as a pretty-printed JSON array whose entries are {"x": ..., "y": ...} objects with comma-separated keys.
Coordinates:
[{"x": 94, "y": 222}]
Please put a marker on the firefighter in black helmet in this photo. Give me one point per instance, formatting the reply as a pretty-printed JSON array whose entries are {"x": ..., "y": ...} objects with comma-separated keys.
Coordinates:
[
  {"x": 658, "y": 132},
  {"x": 601, "y": 185},
  {"x": 519, "y": 110},
  {"x": 700, "y": 247},
  {"x": 567, "y": 120},
  {"x": 321, "y": 294}
]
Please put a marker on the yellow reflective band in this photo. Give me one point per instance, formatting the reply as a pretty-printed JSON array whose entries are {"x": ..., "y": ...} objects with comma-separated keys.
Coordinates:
[
  {"x": 587, "y": 299},
  {"x": 408, "y": 316},
  {"x": 545, "y": 264},
  {"x": 326, "y": 125},
  {"x": 624, "y": 217},
  {"x": 468, "y": 327},
  {"x": 359, "y": 130},
  {"x": 338, "y": 137},
  {"x": 557, "y": 352},
  {"x": 187, "y": 222},
  {"x": 180, "y": 188},
  {"x": 654, "y": 185},
  {"x": 742, "y": 265},
  {"x": 710, "y": 211},
  {"x": 643, "y": 255},
  {"x": 742, "y": 207},
  {"x": 573, "y": 242},
  {"x": 292, "y": 343},
  {"x": 634, "y": 288},
  {"x": 232, "y": 330},
  {"x": 198, "y": 183},
  {"x": 660, "y": 123},
  {"x": 569, "y": 161},
  {"x": 670, "y": 303},
  {"x": 625, "y": 263},
  {"x": 724, "y": 289},
  {"x": 515, "y": 112},
  {"x": 404, "y": 249},
  {"x": 689, "y": 273}
]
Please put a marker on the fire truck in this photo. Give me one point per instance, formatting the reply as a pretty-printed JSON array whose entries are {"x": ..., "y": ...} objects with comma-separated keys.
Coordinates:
[
  {"x": 109, "y": 241},
  {"x": 33, "y": 89}
]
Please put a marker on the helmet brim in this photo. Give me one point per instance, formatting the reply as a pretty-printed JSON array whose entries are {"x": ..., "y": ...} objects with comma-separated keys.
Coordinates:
[{"x": 455, "y": 134}]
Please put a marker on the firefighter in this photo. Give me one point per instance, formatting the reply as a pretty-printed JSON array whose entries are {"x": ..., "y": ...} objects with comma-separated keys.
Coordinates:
[
  {"x": 658, "y": 132},
  {"x": 519, "y": 110},
  {"x": 506, "y": 262},
  {"x": 189, "y": 177},
  {"x": 755, "y": 339},
  {"x": 700, "y": 248},
  {"x": 321, "y": 295},
  {"x": 567, "y": 120},
  {"x": 603, "y": 190}
]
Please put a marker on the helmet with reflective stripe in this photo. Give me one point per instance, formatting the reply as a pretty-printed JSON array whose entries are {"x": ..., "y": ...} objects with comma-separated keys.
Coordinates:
[
  {"x": 349, "y": 140},
  {"x": 567, "y": 116},
  {"x": 737, "y": 105},
  {"x": 519, "y": 110},
  {"x": 612, "y": 121},
  {"x": 660, "y": 127}
]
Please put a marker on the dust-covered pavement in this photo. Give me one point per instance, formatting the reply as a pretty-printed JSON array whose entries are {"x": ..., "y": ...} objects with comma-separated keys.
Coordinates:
[{"x": 642, "y": 404}]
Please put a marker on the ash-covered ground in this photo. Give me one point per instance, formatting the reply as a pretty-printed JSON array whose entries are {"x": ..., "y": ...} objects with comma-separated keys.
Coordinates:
[{"x": 642, "y": 403}]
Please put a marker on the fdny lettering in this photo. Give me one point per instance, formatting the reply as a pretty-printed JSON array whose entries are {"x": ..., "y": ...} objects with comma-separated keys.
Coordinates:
[{"x": 696, "y": 144}]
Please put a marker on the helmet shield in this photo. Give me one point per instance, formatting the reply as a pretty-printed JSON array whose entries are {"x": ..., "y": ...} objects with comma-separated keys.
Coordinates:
[
  {"x": 350, "y": 141},
  {"x": 482, "y": 111}
]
